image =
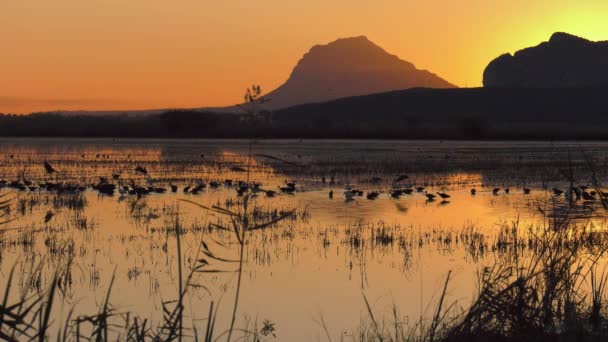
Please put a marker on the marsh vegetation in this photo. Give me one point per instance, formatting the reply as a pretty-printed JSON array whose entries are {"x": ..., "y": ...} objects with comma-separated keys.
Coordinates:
[{"x": 240, "y": 240}]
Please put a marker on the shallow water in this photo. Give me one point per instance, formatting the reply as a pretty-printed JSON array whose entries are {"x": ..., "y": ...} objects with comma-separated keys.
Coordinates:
[{"x": 314, "y": 267}]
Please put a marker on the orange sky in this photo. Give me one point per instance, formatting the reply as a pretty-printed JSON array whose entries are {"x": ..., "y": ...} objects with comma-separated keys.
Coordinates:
[{"x": 129, "y": 54}]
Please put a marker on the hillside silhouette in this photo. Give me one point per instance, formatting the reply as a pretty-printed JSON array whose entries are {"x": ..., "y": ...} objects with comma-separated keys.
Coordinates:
[
  {"x": 349, "y": 67},
  {"x": 564, "y": 61},
  {"x": 474, "y": 113}
]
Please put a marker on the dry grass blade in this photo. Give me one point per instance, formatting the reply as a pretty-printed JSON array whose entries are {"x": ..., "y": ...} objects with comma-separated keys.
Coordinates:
[
  {"x": 375, "y": 324},
  {"x": 48, "y": 306},
  {"x": 13, "y": 318},
  {"x": 437, "y": 317},
  {"x": 213, "y": 208}
]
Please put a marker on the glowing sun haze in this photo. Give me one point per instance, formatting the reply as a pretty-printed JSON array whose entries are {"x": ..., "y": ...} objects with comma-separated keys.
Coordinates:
[{"x": 139, "y": 54}]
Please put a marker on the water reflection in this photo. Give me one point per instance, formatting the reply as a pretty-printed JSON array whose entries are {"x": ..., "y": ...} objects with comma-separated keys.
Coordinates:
[{"x": 394, "y": 249}]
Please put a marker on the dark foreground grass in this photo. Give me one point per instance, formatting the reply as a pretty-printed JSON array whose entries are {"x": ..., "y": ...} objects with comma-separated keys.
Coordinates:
[
  {"x": 26, "y": 312},
  {"x": 556, "y": 293},
  {"x": 553, "y": 292}
]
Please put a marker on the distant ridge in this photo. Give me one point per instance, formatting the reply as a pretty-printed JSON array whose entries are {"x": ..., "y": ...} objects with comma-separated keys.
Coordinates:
[
  {"x": 563, "y": 61},
  {"x": 469, "y": 113},
  {"x": 349, "y": 67}
]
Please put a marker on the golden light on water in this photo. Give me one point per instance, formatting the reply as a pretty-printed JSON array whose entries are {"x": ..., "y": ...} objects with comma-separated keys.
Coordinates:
[{"x": 397, "y": 250}]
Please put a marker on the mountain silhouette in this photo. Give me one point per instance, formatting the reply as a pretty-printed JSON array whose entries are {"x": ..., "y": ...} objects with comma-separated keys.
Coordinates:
[
  {"x": 349, "y": 67},
  {"x": 564, "y": 61},
  {"x": 343, "y": 68}
]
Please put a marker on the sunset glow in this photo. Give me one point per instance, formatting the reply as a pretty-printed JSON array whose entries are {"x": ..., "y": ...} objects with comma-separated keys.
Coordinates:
[{"x": 141, "y": 54}]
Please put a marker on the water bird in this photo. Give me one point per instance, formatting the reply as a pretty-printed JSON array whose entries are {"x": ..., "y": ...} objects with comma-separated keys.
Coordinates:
[
  {"x": 357, "y": 192},
  {"x": 473, "y": 191},
  {"x": 228, "y": 182},
  {"x": 430, "y": 197},
  {"x": 139, "y": 191},
  {"x": 557, "y": 192},
  {"x": 507, "y": 190},
  {"x": 198, "y": 188},
  {"x": 270, "y": 193},
  {"x": 141, "y": 169},
  {"x": 290, "y": 188},
  {"x": 49, "y": 168},
  {"x": 242, "y": 190},
  {"x": 287, "y": 189},
  {"x": 49, "y": 215},
  {"x": 401, "y": 178},
  {"x": 396, "y": 193},
  {"x": 588, "y": 196},
  {"x": 17, "y": 185},
  {"x": 173, "y": 187},
  {"x": 443, "y": 195},
  {"x": 106, "y": 188},
  {"x": 186, "y": 189},
  {"x": 372, "y": 195},
  {"x": 420, "y": 189},
  {"x": 214, "y": 184},
  {"x": 331, "y": 194},
  {"x": 527, "y": 191},
  {"x": 495, "y": 191},
  {"x": 348, "y": 195},
  {"x": 255, "y": 190}
]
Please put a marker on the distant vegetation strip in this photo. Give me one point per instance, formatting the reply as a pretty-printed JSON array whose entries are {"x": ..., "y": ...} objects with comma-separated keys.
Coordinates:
[{"x": 474, "y": 113}]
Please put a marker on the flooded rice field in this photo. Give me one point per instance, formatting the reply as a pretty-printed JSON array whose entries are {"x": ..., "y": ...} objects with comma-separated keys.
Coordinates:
[{"x": 299, "y": 240}]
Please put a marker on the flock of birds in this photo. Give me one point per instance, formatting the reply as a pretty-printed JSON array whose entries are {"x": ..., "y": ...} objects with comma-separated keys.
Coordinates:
[
  {"x": 350, "y": 193},
  {"x": 583, "y": 192},
  {"x": 108, "y": 186}
]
